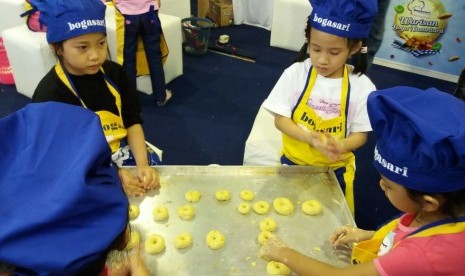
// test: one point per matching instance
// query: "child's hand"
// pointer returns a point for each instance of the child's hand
(328, 145)
(131, 184)
(346, 235)
(271, 249)
(148, 177)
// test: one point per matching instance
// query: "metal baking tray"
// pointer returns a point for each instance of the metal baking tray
(239, 256)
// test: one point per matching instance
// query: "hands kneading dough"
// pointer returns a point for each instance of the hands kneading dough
(160, 213)
(311, 207)
(268, 224)
(134, 211)
(276, 268)
(283, 206)
(215, 240)
(222, 195)
(243, 208)
(186, 212)
(193, 196)
(183, 240)
(261, 207)
(247, 195)
(154, 244)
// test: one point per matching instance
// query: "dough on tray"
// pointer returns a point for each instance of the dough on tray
(243, 208)
(154, 244)
(247, 195)
(283, 206)
(133, 211)
(134, 240)
(311, 207)
(222, 195)
(268, 224)
(277, 268)
(183, 240)
(261, 207)
(160, 213)
(215, 240)
(193, 196)
(186, 212)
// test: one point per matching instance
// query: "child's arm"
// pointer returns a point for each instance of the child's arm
(354, 141)
(274, 249)
(349, 234)
(146, 174)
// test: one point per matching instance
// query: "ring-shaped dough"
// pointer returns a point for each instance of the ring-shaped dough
(183, 240)
(276, 268)
(311, 207)
(261, 207)
(243, 208)
(247, 195)
(134, 211)
(186, 212)
(215, 240)
(134, 240)
(160, 213)
(268, 224)
(264, 236)
(193, 196)
(154, 244)
(222, 195)
(283, 206)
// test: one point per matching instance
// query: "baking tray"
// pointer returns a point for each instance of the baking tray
(239, 256)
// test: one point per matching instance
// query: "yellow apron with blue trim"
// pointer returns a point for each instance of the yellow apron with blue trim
(366, 251)
(142, 66)
(303, 154)
(112, 124)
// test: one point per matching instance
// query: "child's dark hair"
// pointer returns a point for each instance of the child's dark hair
(460, 89)
(359, 68)
(454, 202)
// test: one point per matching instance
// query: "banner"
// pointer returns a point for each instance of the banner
(425, 37)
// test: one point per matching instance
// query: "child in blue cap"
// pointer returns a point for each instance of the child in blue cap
(319, 103)
(83, 76)
(420, 155)
(62, 206)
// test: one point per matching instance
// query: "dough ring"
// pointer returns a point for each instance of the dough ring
(186, 212)
(160, 213)
(215, 240)
(183, 240)
(276, 268)
(134, 240)
(243, 208)
(283, 206)
(193, 196)
(154, 244)
(264, 236)
(261, 207)
(134, 211)
(268, 224)
(222, 195)
(311, 207)
(247, 195)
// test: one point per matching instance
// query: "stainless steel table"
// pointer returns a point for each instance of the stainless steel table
(239, 256)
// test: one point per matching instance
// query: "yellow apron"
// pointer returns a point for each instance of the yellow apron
(303, 154)
(112, 124)
(366, 251)
(142, 66)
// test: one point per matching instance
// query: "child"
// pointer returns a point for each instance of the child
(319, 103)
(420, 154)
(83, 76)
(141, 19)
(63, 209)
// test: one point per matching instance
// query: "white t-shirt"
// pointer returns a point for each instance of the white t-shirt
(325, 98)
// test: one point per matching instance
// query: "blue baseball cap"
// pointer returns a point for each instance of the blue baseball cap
(67, 19)
(420, 138)
(345, 18)
(62, 202)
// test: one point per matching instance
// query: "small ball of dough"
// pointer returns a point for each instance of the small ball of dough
(243, 208)
(283, 206)
(183, 240)
(186, 212)
(160, 213)
(311, 207)
(154, 244)
(193, 196)
(134, 211)
(276, 268)
(268, 224)
(264, 236)
(215, 240)
(261, 207)
(222, 195)
(134, 240)
(247, 195)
